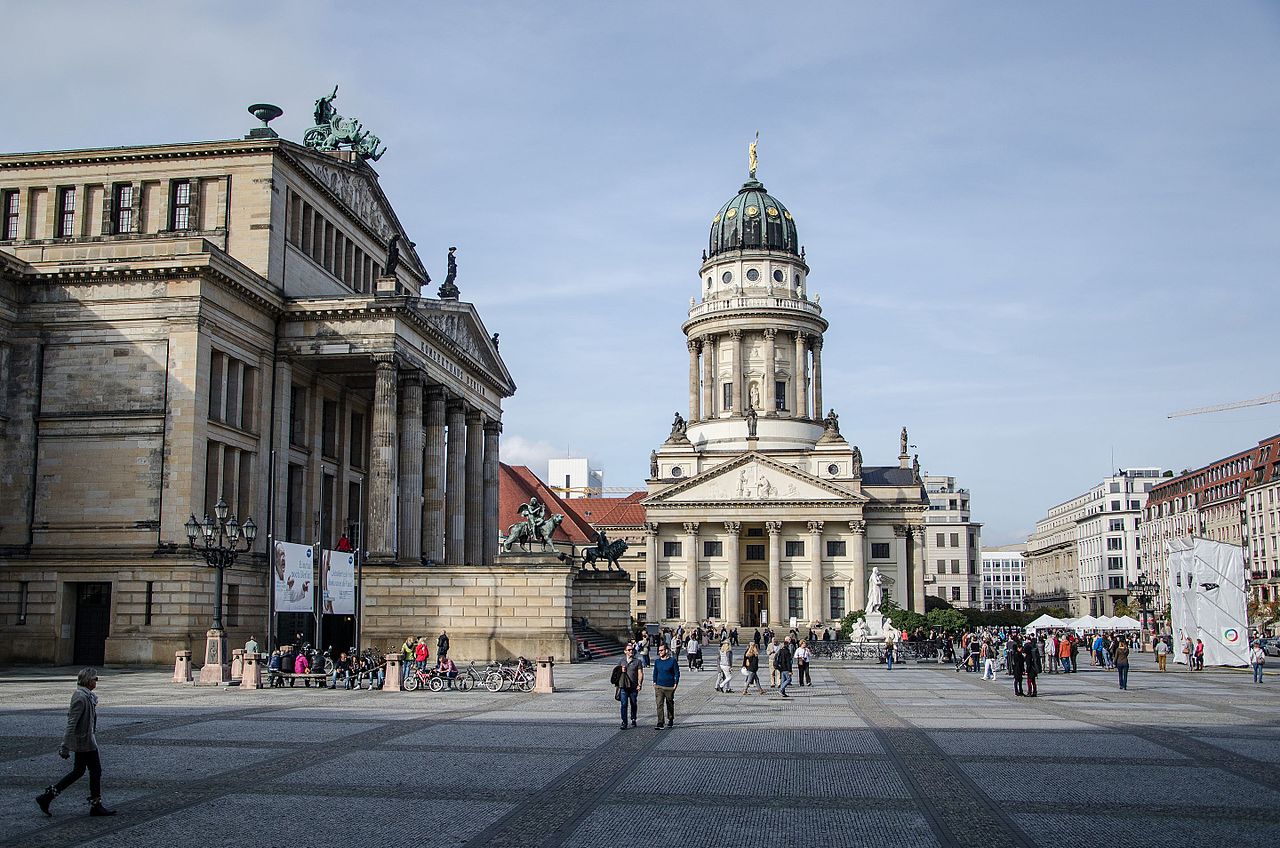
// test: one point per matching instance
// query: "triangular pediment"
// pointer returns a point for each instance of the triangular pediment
(461, 325)
(355, 187)
(754, 478)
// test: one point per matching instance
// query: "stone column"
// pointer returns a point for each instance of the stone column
(474, 487)
(733, 603)
(280, 422)
(814, 610)
(695, 410)
(708, 380)
(434, 477)
(410, 536)
(381, 537)
(801, 378)
(489, 546)
(455, 517)
(692, 604)
(902, 589)
(858, 597)
(738, 401)
(767, 398)
(916, 567)
(653, 596)
(774, 529)
(816, 344)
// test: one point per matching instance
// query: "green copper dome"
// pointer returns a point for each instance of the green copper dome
(753, 219)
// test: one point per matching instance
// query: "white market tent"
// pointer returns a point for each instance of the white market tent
(1126, 622)
(1106, 622)
(1084, 622)
(1048, 622)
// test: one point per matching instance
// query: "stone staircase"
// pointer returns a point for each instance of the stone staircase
(602, 647)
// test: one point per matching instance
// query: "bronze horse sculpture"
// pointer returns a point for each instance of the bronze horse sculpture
(524, 534)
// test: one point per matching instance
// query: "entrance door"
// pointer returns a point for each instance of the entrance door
(93, 623)
(756, 595)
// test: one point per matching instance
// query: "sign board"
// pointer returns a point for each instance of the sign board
(294, 572)
(337, 583)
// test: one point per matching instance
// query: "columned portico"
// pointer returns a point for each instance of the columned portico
(383, 463)
(774, 529)
(409, 535)
(455, 514)
(733, 577)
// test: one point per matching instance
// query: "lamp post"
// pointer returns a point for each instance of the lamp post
(1144, 591)
(218, 540)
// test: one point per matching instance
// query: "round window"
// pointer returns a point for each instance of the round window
(753, 275)
(833, 469)
(778, 276)
(727, 277)
(731, 213)
(677, 471)
(753, 211)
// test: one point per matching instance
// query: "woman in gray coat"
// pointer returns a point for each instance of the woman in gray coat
(80, 739)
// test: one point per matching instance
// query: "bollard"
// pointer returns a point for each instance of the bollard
(544, 681)
(251, 671)
(237, 663)
(393, 671)
(182, 667)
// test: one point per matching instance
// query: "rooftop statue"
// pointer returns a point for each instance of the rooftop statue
(332, 131)
(449, 289)
(857, 461)
(832, 421)
(752, 161)
(678, 426)
(393, 256)
(903, 440)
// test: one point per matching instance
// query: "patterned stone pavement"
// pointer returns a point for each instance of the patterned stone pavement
(920, 755)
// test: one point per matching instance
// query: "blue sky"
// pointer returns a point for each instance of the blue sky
(1036, 230)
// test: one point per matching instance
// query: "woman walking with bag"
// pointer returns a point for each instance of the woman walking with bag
(751, 663)
(80, 739)
(725, 683)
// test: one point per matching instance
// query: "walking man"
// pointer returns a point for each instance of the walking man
(782, 662)
(666, 677)
(1162, 654)
(80, 739)
(628, 676)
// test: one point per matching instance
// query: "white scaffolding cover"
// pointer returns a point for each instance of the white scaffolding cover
(1207, 599)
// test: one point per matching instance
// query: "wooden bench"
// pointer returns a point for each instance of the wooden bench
(321, 679)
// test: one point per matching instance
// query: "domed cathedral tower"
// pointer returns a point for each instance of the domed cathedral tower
(759, 510)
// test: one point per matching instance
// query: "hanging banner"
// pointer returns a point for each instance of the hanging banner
(1207, 599)
(294, 575)
(338, 582)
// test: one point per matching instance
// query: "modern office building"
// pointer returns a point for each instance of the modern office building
(1004, 578)
(952, 544)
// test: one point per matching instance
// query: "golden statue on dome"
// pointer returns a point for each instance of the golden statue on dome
(752, 161)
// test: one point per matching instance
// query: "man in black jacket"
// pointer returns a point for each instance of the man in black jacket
(782, 662)
(1017, 663)
(442, 646)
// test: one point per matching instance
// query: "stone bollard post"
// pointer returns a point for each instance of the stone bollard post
(182, 667)
(393, 673)
(237, 663)
(544, 682)
(251, 671)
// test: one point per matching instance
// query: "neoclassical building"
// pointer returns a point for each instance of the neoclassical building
(758, 508)
(245, 320)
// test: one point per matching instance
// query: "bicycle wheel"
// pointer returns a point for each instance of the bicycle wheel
(466, 683)
(493, 682)
(525, 684)
(436, 684)
(411, 683)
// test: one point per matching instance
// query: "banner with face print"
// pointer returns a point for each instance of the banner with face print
(338, 582)
(293, 569)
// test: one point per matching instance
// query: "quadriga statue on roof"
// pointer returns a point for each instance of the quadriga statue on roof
(332, 130)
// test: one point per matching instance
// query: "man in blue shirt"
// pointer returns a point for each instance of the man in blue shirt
(666, 677)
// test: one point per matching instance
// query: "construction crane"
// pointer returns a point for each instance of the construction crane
(1222, 407)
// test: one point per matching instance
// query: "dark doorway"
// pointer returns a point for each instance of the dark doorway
(339, 632)
(93, 623)
(756, 595)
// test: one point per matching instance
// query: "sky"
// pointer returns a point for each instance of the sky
(1036, 229)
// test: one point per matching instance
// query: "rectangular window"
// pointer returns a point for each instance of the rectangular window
(1116, 524)
(642, 582)
(671, 549)
(353, 513)
(146, 612)
(673, 602)
(835, 548)
(837, 602)
(356, 438)
(755, 553)
(795, 602)
(1115, 543)
(1115, 563)
(217, 379)
(955, 540)
(66, 213)
(122, 208)
(780, 394)
(955, 566)
(712, 549)
(22, 601)
(879, 550)
(973, 594)
(1134, 505)
(942, 540)
(755, 532)
(727, 396)
(180, 206)
(1115, 582)
(713, 602)
(971, 540)
(942, 566)
(295, 506)
(1115, 506)
(298, 416)
(795, 549)
(329, 428)
(955, 593)
(9, 229)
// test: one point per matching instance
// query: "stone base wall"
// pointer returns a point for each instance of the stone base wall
(519, 607)
(604, 599)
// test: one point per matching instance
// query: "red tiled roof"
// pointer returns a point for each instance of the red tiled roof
(610, 512)
(517, 484)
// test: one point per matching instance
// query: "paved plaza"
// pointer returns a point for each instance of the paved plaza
(920, 755)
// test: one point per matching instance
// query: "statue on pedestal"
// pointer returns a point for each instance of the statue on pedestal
(752, 420)
(875, 590)
(449, 289)
(678, 426)
(903, 440)
(857, 461)
(393, 256)
(653, 465)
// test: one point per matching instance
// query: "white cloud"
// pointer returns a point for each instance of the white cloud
(517, 450)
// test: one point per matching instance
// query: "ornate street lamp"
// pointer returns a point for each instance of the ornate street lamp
(1144, 592)
(219, 541)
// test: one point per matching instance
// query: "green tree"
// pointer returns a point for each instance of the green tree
(949, 619)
